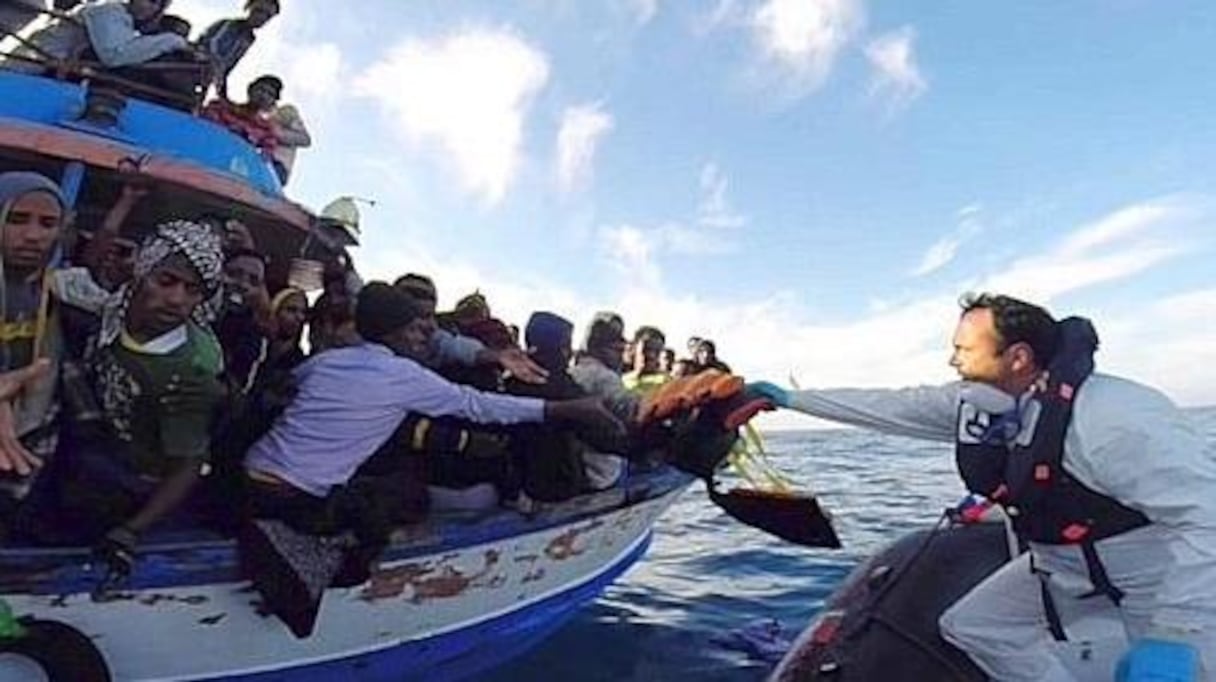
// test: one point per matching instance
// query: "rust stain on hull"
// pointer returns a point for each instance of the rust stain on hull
(430, 582)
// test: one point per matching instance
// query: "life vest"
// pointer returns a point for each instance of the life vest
(1015, 458)
(1026, 476)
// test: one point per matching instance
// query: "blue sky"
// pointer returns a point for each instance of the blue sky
(811, 182)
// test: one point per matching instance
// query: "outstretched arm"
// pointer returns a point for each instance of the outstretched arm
(926, 412)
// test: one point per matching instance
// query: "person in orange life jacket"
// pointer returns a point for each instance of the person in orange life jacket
(1103, 477)
(448, 348)
(328, 431)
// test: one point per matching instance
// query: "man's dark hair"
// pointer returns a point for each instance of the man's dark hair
(273, 81)
(382, 309)
(416, 286)
(647, 332)
(1017, 321)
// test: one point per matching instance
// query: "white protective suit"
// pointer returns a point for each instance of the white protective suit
(1126, 441)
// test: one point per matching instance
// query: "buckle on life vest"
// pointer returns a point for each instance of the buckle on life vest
(1042, 473)
(1075, 532)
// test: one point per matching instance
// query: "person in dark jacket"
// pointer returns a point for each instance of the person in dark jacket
(548, 457)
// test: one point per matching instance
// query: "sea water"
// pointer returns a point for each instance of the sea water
(706, 577)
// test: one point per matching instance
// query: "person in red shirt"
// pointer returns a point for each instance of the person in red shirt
(251, 119)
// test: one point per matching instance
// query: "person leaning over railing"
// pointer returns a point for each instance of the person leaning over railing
(109, 28)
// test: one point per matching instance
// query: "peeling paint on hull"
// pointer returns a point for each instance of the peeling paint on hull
(425, 609)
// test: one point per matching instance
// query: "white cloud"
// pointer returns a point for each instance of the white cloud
(631, 251)
(804, 37)
(1127, 242)
(943, 251)
(581, 129)
(897, 78)
(715, 210)
(469, 93)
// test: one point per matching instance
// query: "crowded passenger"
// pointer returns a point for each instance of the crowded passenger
(246, 322)
(32, 211)
(706, 357)
(250, 119)
(290, 136)
(154, 371)
(226, 41)
(598, 372)
(552, 461)
(301, 471)
(447, 348)
(108, 30)
(647, 373)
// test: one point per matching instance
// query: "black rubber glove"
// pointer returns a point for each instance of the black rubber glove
(117, 551)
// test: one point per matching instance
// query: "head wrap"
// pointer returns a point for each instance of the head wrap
(200, 246)
(546, 332)
(17, 184)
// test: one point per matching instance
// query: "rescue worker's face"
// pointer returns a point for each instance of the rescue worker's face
(31, 229)
(165, 298)
(981, 355)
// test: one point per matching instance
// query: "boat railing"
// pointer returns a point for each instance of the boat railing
(78, 70)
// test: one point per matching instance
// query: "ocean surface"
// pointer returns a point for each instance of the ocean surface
(705, 577)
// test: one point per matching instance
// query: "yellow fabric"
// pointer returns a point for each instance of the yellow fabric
(644, 384)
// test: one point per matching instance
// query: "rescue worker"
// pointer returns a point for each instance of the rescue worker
(1103, 477)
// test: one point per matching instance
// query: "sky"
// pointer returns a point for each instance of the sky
(811, 183)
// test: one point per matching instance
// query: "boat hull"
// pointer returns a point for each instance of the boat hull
(444, 613)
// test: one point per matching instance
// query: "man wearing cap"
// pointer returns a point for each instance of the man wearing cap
(299, 468)
(446, 348)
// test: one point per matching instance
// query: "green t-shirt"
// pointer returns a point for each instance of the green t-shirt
(174, 396)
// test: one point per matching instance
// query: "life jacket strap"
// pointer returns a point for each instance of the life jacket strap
(1098, 577)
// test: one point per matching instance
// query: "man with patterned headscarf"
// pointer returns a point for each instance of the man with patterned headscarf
(154, 369)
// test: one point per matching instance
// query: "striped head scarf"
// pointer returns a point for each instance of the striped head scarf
(198, 245)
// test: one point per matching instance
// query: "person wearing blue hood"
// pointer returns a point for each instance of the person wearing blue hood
(550, 458)
(32, 211)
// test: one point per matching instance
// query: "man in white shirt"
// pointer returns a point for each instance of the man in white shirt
(1113, 489)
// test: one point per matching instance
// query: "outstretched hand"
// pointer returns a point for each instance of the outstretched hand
(766, 389)
(13, 455)
(521, 366)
